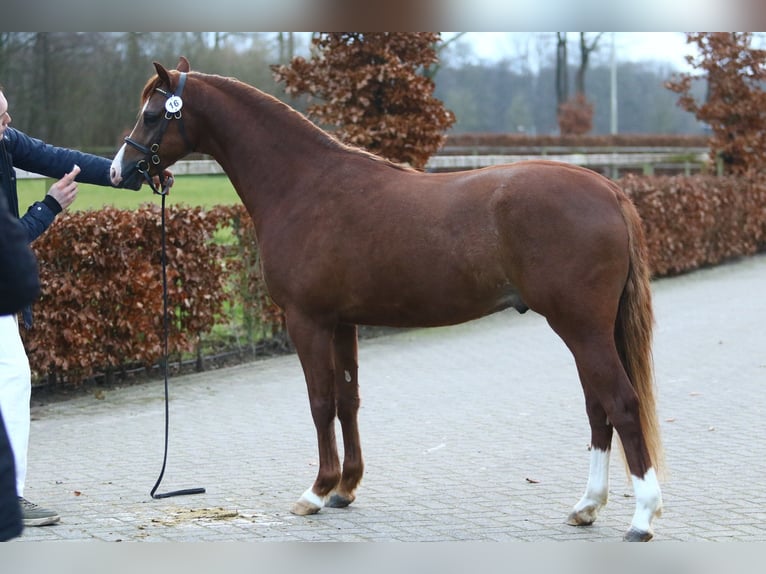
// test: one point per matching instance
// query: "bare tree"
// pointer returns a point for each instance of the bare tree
(286, 41)
(562, 69)
(575, 115)
(586, 48)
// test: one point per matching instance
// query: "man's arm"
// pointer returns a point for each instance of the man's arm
(32, 154)
(41, 214)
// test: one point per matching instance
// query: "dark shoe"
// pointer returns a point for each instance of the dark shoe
(34, 515)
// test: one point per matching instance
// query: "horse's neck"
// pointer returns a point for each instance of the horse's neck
(260, 144)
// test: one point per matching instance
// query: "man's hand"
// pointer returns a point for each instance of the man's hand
(169, 180)
(65, 190)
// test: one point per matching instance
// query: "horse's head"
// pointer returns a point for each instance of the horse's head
(159, 137)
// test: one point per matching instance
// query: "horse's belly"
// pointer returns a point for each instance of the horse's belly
(436, 308)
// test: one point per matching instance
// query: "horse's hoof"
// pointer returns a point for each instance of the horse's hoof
(340, 501)
(584, 517)
(635, 535)
(304, 508)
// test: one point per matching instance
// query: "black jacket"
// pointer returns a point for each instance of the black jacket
(19, 282)
(18, 150)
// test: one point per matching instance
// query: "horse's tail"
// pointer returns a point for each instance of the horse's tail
(633, 333)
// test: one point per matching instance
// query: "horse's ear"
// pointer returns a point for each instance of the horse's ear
(183, 64)
(162, 73)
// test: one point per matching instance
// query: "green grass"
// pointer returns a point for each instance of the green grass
(193, 190)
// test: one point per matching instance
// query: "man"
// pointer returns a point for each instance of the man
(19, 286)
(18, 150)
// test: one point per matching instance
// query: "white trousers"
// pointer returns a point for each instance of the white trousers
(15, 394)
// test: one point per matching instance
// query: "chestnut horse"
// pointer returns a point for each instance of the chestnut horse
(348, 238)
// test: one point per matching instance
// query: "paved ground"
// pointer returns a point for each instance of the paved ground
(470, 433)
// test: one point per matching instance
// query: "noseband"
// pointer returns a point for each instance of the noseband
(151, 154)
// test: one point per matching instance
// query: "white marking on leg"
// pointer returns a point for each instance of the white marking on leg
(648, 500)
(597, 489)
(312, 498)
(348, 376)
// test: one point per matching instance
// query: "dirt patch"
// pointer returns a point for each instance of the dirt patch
(196, 515)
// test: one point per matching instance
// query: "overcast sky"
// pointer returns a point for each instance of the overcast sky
(668, 47)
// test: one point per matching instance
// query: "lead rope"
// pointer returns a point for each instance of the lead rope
(165, 322)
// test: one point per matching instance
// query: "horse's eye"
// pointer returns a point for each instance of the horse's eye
(151, 118)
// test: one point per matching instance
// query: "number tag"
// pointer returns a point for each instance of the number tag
(174, 104)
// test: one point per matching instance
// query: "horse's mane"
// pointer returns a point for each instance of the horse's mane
(277, 107)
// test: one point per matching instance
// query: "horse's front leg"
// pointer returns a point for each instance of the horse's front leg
(347, 403)
(314, 344)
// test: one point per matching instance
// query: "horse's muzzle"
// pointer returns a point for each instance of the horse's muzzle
(133, 179)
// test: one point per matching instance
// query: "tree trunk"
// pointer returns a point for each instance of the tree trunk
(562, 71)
(585, 51)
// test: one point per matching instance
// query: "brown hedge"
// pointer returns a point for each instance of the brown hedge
(101, 302)
(698, 221)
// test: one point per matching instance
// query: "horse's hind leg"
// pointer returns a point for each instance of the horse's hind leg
(605, 380)
(596, 493)
(347, 404)
(313, 343)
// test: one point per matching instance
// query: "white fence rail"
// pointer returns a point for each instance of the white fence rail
(646, 162)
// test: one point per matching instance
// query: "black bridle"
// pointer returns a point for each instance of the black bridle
(151, 153)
